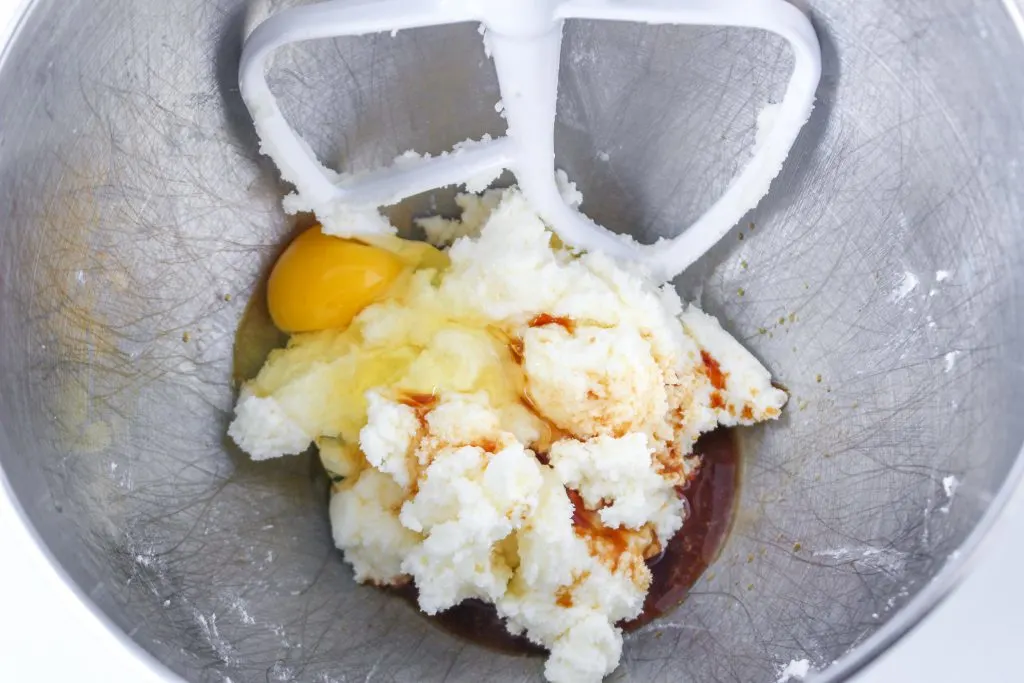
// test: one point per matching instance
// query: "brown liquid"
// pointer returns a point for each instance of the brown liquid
(568, 324)
(712, 499)
(477, 622)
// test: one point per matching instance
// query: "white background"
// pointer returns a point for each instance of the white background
(54, 637)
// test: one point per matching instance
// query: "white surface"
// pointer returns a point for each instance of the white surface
(56, 638)
(975, 634)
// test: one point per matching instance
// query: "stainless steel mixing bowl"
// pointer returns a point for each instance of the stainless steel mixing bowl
(882, 281)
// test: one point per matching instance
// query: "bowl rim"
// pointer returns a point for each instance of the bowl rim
(924, 602)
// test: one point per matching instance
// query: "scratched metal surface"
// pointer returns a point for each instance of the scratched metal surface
(139, 217)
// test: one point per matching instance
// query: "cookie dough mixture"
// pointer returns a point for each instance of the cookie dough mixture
(513, 425)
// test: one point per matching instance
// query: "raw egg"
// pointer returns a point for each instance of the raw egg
(415, 254)
(322, 282)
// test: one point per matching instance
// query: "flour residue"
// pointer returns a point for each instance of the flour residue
(907, 284)
(766, 120)
(867, 557)
(796, 670)
(949, 486)
(241, 608)
(280, 672)
(219, 644)
(949, 361)
(567, 188)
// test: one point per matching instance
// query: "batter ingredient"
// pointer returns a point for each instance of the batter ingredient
(513, 427)
(321, 282)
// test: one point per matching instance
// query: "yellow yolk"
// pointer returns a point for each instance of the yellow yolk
(322, 282)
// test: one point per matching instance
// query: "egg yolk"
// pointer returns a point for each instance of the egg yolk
(322, 282)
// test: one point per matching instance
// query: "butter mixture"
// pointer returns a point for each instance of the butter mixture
(508, 421)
